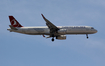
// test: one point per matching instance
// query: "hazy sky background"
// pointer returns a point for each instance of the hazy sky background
(32, 50)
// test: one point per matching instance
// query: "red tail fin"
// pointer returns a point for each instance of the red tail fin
(14, 22)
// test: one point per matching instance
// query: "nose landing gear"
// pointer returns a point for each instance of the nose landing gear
(87, 36)
(52, 37)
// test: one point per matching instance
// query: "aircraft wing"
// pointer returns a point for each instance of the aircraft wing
(51, 26)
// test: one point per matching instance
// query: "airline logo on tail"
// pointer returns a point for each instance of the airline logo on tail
(14, 22)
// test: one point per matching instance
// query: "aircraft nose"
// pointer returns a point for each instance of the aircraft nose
(95, 31)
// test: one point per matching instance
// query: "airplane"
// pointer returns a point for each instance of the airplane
(59, 32)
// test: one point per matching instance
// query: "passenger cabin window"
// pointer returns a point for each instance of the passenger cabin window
(92, 28)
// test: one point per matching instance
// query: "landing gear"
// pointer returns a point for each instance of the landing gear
(53, 39)
(87, 36)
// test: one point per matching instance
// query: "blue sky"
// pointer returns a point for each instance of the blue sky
(32, 50)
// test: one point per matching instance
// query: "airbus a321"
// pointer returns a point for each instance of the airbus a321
(59, 32)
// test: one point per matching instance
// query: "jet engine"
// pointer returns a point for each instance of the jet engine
(62, 31)
(61, 37)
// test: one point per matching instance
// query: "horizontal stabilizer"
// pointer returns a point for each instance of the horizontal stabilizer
(12, 27)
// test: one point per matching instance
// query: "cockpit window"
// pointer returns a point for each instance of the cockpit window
(92, 28)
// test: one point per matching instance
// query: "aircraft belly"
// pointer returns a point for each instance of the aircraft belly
(36, 31)
(79, 32)
(18, 31)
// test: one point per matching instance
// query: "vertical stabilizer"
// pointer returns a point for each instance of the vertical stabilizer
(14, 22)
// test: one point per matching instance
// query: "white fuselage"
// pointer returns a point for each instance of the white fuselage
(63, 30)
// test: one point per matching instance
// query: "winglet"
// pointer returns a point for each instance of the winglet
(43, 17)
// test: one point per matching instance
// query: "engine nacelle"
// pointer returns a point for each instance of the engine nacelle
(61, 37)
(62, 31)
